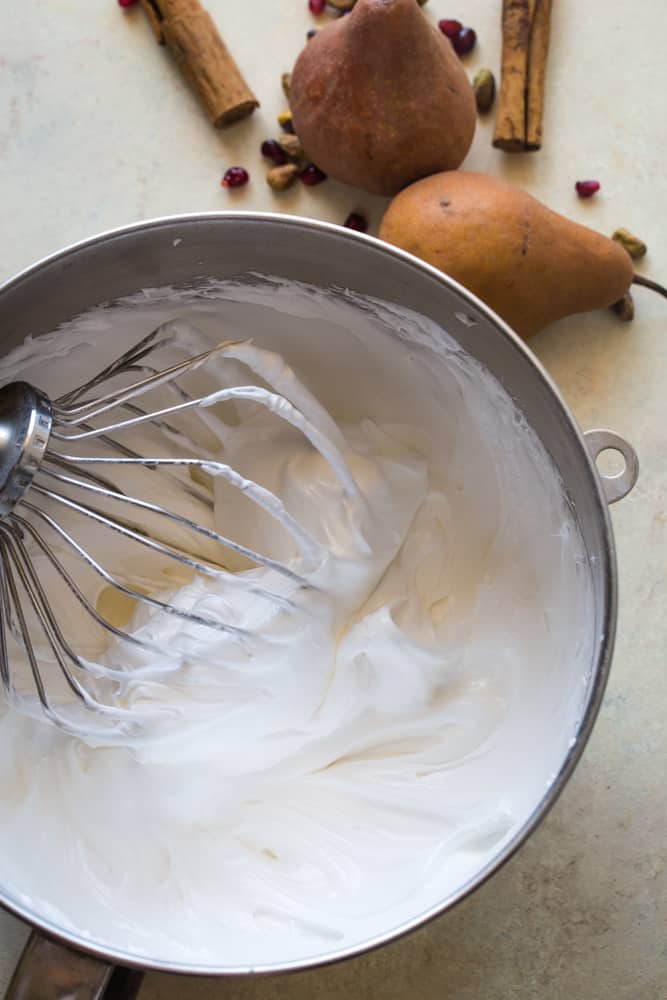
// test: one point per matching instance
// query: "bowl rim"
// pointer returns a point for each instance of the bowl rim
(601, 666)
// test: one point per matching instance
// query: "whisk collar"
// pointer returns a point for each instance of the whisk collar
(25, 427)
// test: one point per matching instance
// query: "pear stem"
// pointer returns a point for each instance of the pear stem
(639, 279)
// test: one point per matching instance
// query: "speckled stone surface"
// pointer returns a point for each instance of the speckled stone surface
(97, 129)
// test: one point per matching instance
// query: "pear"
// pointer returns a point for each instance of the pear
(531, 265)
(379, 98)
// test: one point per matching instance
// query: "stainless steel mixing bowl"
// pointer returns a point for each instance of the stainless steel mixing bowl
(184, 250)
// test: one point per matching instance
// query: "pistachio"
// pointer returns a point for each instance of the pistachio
(280, 178)
(625, 308)
(635, 247)
(285, 121)
(484, 86)
(285, 83)
(291, 145)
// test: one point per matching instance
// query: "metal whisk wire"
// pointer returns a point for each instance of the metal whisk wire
(43, 474)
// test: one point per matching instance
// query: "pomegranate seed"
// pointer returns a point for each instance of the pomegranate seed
(312, 175)
(464, 42)
(126, 3)
(235, 177)
(316, 7)
(357, 222)
(586, 189)
(272, 150)
(449, 27)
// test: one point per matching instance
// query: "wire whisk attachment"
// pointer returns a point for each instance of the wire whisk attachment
(118, 475)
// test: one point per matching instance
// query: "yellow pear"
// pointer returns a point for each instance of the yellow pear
(529, 264)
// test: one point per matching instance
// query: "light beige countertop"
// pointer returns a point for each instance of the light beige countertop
(97, 129)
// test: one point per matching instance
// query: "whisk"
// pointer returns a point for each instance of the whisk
(46, 472)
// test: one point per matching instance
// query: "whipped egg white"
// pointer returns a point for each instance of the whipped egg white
(385, 730)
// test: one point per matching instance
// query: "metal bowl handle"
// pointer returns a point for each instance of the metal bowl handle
(618, 486)
(48, 970)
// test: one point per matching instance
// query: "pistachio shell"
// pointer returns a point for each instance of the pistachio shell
(625, 308)
(484, 86)
(635, 247)
(280, 178)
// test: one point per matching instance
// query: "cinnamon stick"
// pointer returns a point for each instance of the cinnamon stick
(517, 20)
(526, 32)
(193, 39)
(537, 68)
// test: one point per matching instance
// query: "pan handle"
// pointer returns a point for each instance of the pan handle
(618, 486)
(51, 971)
